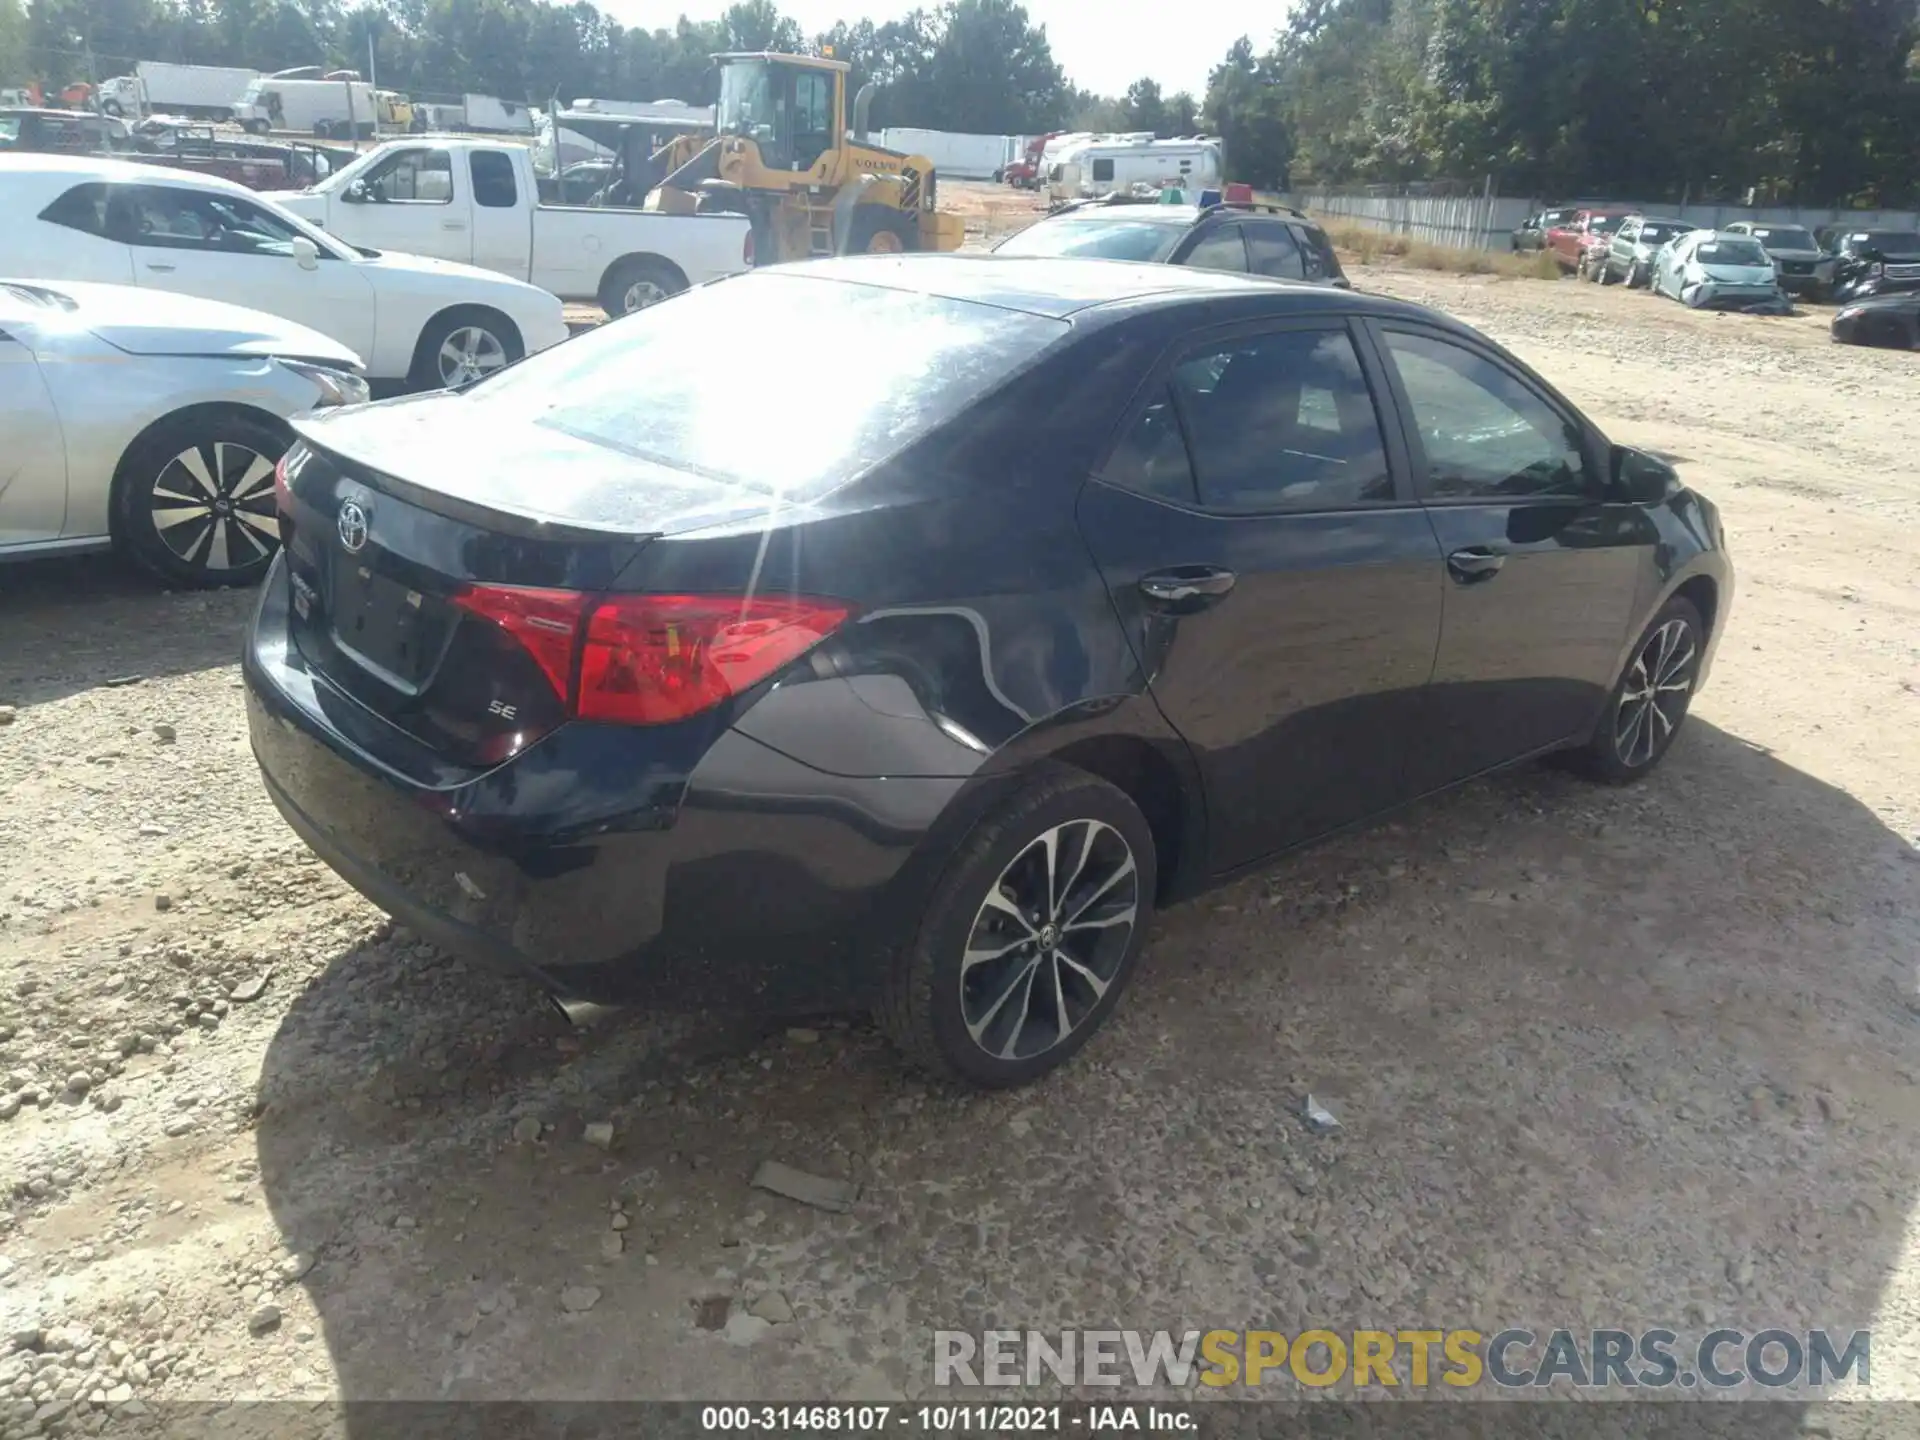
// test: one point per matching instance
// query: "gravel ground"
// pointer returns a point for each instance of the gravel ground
(1600, 1057)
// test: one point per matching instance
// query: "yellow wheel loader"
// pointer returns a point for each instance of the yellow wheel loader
(782, 154)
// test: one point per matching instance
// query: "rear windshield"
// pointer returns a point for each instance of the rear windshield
(790, 384)
(1096, 239)
(1901, 241)
(1784, 237)
(1731, 251)
(1604, 224)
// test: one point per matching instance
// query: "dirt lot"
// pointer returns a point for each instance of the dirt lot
(1601, 1057)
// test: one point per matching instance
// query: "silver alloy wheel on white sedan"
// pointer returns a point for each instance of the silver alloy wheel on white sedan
(213, 506)
(1049, 939)
(1654, 699)
(468, 354)
(642, 293)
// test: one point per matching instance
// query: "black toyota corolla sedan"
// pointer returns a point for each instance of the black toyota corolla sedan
(898, 632)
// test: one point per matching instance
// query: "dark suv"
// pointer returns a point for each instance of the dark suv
(1245, 238)
(1872, 262)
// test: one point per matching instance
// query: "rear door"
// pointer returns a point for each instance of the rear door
(502, 235)
(33, 456)
(1281, 587)
(1541, 562)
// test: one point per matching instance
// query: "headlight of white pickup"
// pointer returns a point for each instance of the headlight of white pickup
(336, 387)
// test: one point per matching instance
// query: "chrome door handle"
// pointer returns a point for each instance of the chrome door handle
(161, 269)
(1475, 564)
(453, 224)
(1191, 585)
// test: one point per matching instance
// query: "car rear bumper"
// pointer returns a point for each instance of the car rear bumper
(592, 863)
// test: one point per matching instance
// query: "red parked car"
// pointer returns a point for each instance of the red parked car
(1567, 242)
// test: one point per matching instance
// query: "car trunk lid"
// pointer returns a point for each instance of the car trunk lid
(397, 604)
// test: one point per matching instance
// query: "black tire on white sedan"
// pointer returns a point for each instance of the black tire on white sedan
(1031, 936)
(1650, 702)
(193, 499)
(462, 346)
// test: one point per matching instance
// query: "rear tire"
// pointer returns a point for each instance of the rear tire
(461, 346)
(1650, 701)
(193, 500)
(323, 129)
(1065, 868)
(636, 283)
(878, 230)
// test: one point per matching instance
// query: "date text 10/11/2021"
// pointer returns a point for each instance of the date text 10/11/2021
(947, 1419)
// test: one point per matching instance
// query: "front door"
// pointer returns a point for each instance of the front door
(406, 203)
(1278, 581)
(33, 454)
(1541, 563)
(223, 247)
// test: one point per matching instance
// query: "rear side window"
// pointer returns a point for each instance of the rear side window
(1283, 421)
(1223, 249)
(666, 383)
(1317, 259)
(82, 208)
(1153, 458)
(1271, 251)
(493, 184)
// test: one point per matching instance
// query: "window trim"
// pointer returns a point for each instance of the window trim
(1592, 443)
(473, 178)
(1158, 379)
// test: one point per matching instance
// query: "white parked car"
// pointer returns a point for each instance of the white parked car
(428, 323)
(152, 422)
(1718, 270)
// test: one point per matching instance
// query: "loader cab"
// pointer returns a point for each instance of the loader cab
(793, 108)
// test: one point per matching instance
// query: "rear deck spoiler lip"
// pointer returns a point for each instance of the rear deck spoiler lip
(526, 524)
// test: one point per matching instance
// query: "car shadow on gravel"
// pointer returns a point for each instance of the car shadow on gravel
(1601, 1057)
(69, 625)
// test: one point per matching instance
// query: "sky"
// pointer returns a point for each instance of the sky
(1100, 50)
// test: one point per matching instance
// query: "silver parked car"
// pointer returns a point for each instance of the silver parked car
(1714, 270)
(1805, 268)
(152, 422)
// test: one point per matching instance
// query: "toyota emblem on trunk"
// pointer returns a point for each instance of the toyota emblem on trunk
(353, 527)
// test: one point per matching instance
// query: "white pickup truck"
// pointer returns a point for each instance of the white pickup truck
(477, 202)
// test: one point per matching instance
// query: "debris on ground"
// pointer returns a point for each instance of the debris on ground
(815, 1190)
(1318, 1116)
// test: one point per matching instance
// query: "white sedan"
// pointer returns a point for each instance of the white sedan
(427, 323)
(152, 423)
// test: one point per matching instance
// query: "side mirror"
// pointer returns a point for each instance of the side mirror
(306, 254)
(1640, 478)
(356, 193)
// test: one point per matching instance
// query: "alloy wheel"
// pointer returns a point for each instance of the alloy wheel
(640, 294)
(1048, 941)
(1653, 698)
(469, 353)
(213, 506)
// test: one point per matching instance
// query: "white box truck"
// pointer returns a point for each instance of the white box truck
(322, 107)
(205, 92)
(954, 153)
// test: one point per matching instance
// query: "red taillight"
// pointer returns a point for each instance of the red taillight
(545, 623)
(746, 247)
(650, 659)
(653, 659)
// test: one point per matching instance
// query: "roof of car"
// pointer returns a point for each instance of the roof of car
(1060, 287)
(79, 169)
